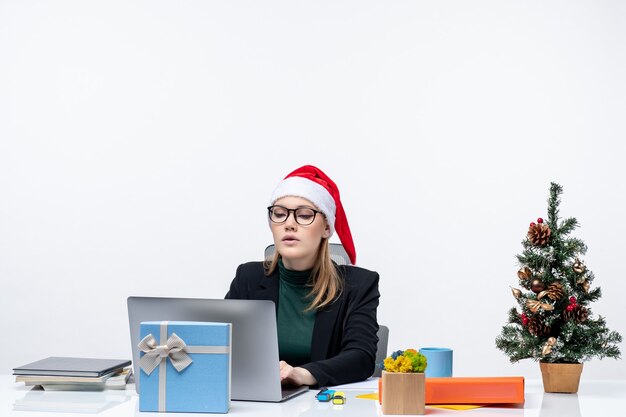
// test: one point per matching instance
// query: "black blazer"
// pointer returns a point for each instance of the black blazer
(343, 347)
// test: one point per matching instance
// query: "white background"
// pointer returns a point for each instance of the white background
(140, 141)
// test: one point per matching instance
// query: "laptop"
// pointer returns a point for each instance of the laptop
(255, 374)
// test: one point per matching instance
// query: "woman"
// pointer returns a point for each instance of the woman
(326, 313)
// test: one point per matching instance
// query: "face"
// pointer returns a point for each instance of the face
(298, 244)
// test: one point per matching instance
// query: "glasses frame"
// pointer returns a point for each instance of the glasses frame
(295, 217)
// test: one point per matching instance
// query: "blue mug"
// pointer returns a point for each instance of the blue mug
(438, 362)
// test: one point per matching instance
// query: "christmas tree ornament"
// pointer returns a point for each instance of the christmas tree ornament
(572, 304)
(537, 286)
(539, 220)
(524, 274)
(578, 267)
(539, 234)
(537, 326)
(577, 313)
(581, 314)
(534, 306)
(547, 348)
(516, 293)
(524, 318)
(555, 291)
(586, 286)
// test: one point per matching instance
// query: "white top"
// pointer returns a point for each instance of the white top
(595, 398)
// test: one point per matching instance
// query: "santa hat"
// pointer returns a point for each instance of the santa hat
(311, 183)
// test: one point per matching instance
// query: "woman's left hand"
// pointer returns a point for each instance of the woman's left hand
(295, 375)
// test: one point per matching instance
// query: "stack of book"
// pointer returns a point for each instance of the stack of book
(75, 374)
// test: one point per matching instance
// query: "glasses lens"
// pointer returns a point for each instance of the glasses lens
(278, 214)
(305, 216)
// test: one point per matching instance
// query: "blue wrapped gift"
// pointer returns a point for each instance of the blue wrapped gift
(185, 366)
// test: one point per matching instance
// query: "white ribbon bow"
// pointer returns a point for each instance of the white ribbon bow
(175, 348)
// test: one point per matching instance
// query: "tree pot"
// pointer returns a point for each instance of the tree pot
(561, 377)
(403, 393)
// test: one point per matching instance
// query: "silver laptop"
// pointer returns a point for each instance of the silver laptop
(255, 374)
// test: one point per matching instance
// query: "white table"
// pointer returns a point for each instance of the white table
(594, 399)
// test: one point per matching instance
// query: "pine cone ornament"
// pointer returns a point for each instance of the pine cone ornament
(539, 234)
(555, 291)
(578, 314)
(537, 327)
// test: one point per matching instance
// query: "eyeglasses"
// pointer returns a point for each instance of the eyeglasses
(304, 216)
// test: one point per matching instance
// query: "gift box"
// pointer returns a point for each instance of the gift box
(185, 367)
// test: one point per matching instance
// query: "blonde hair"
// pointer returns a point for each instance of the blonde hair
(326, 283)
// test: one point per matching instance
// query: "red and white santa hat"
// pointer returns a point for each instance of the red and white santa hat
(311, 183)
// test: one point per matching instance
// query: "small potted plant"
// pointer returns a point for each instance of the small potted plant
(403, 385)
(553, 322)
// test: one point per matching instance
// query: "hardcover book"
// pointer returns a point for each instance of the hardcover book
(116, 380)
(64, 366)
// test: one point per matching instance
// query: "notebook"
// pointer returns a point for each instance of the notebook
(64, 366)
(255, 374)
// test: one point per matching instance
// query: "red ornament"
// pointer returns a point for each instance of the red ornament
(532, 224)
(539, 220)
(524, 319)
(570, 307)
(572, 300)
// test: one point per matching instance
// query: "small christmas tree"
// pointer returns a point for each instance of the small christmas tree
(555, 323)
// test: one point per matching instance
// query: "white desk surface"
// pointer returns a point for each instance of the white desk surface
(594, 399)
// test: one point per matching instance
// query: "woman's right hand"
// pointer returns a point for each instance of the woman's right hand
(290, 375)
